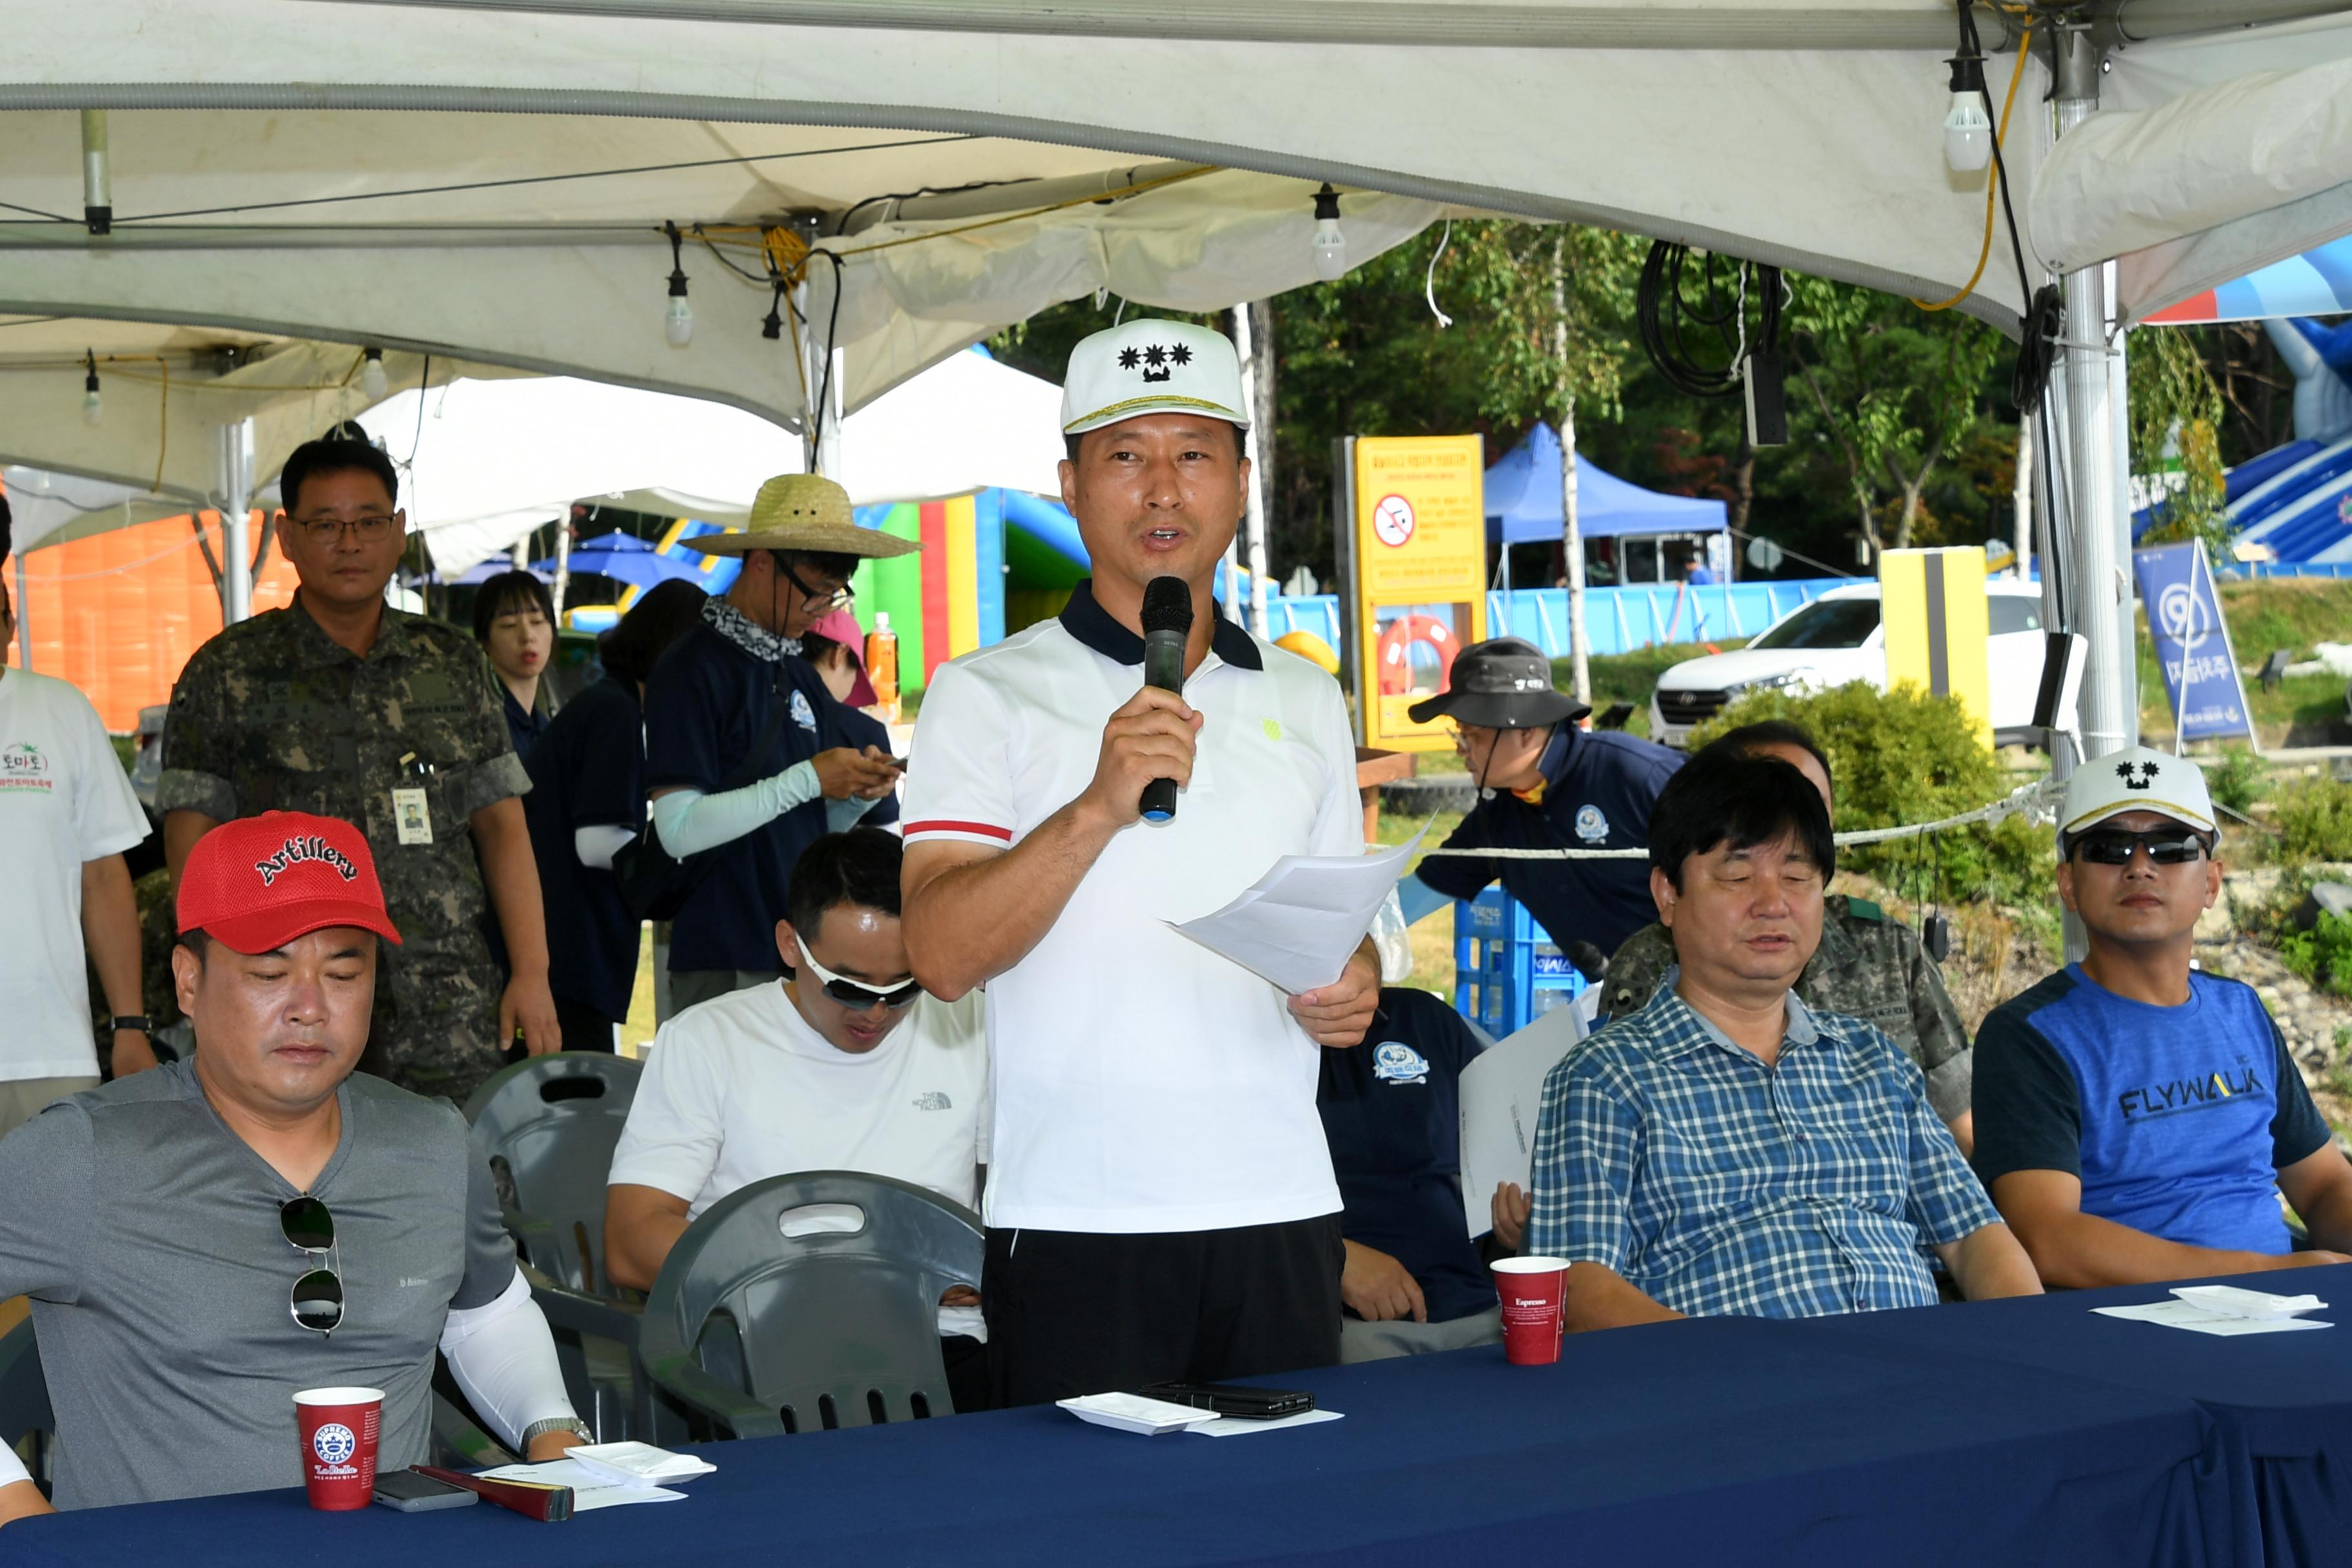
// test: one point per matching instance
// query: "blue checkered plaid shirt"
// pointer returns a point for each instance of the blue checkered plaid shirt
(1719, 1186)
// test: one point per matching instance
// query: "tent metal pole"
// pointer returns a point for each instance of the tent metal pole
(237, 507)
(1253, 449)
(2092, 460)
(2021, 499)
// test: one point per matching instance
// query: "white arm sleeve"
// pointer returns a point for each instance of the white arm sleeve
(12, 1468)
(841, 815)
(596, 847)
(504, 1358)
(690, 821)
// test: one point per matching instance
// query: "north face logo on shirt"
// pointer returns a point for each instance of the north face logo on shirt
(933, 1100)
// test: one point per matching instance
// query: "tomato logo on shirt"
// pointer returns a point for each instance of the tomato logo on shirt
(23, 766)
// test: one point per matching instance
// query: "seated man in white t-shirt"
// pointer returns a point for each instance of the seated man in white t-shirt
(849, 1066)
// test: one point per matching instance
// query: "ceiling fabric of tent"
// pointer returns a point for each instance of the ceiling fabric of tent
(164, 391)
(489, 462)
(1801, 135)
(2243, 166)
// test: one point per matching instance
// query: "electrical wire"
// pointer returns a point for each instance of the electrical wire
(1664, 312)
(1992, 186)
(519, 180)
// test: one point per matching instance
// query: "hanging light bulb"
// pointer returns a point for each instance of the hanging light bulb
(1967, 129)
(94, 408)
(371, 381)
(678, 322)
(1330, 244)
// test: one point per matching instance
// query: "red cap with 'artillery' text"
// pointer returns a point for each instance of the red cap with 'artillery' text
(258, 882)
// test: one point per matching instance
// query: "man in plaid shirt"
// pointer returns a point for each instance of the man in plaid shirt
(1727, 1151)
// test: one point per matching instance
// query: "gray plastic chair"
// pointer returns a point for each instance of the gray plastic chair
(552, 1122)
(761, 1333)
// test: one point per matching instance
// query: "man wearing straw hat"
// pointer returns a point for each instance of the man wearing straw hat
(1161, 1201)
(744, 741)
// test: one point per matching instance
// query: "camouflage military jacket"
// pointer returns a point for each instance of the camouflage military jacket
(274, 715)
(1868, 967)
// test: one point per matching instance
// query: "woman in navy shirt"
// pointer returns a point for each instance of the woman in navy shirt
(514, 620)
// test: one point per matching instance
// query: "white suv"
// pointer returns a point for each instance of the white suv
(1837, 638)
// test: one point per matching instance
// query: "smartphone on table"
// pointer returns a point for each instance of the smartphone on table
(1233, 1399)
(411, 1494)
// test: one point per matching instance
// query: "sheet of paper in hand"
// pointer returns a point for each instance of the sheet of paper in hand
(1298, 924)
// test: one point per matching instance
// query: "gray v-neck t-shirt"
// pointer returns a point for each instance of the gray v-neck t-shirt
(147, 1235)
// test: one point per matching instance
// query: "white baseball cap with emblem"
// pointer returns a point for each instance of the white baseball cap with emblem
(1152, 367)
(2135, 779)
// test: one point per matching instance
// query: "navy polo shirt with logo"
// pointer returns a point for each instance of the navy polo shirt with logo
(1598, 789)
(2176, 1118)
(706, 702)
(1391, 1113)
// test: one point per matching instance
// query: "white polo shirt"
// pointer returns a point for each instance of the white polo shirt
(1143, 1083)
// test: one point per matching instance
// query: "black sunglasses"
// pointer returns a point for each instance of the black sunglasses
(318, 1300)
(2165, 846)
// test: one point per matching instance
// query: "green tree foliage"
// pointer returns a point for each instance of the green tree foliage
(1900, 390)
(2176, 423)
(1901, 757)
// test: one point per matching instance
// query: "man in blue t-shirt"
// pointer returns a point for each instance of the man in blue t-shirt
(1543, 784)
(2137, 1119)
(1413, 1280)
(737, 683)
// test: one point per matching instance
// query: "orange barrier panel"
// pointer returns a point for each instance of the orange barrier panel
(120, 613)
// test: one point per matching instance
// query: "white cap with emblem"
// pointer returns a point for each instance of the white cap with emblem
(2135, 779)
(1152, 367)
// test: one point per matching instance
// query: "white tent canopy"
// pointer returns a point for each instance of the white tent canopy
(486, 462)
(363, 137)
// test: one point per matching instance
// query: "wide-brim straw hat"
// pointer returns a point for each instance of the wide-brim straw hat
(804, 511)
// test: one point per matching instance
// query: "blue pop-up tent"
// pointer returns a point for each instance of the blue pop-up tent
(1523, 499)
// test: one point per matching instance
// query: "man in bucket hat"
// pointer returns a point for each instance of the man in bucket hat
(192, 1237)
(2137, 1119)
(1161, 1200)
(1544, 784)
(736, 685)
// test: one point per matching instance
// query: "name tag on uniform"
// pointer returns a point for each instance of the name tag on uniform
(412, 816)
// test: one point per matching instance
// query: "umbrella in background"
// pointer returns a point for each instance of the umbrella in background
(624, 558)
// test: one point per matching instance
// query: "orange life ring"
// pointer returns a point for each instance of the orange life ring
(1396, 658)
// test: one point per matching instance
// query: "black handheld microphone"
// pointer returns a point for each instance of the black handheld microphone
(1167, 627)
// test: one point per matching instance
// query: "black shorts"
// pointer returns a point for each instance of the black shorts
(1074, 1313)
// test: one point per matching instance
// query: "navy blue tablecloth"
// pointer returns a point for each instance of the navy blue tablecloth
(1728, 1441)
(2281, 1404)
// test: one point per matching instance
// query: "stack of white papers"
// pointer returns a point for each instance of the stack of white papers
(2225, 1310)
(1299, 925)
(1152, 1417)
(610, 1475)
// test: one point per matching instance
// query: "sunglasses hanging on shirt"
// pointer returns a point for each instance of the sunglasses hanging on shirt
(317, 1298)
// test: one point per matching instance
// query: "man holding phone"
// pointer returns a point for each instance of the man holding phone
(1161, 1200)
(191, 1237)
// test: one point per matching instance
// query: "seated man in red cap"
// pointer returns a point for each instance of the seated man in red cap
(181, 1232)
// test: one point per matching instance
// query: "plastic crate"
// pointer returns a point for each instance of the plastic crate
(1506, 970)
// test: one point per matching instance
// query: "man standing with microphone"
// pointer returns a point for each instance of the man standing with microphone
(1160, 1204)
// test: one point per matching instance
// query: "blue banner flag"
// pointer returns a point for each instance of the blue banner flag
(2192, 642)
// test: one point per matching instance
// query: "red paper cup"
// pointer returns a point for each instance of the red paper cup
(340, 1427)
(1531, 1289)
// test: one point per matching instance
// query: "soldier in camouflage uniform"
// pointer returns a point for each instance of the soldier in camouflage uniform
(1869, 966)
(404, 736)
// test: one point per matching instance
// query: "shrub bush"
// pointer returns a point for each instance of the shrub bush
(1906, 757)
(2314, 818)
(2322, 956)
(2237, 780)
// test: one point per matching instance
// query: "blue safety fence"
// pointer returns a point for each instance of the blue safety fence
(2239, 570)
(1616, 620)
(1506, 971)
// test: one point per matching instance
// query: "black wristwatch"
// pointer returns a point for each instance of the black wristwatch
(138, 1021)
